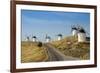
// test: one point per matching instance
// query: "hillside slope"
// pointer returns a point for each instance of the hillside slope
(70, 47)
(32, 52)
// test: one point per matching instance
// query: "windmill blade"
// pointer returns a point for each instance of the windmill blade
(46, 36)
(72, 26)
(78, 26)
(87, 32)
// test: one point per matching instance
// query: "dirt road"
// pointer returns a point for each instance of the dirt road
(56, 55)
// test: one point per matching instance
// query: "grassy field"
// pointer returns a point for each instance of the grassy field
(32, 52)
(70, 47)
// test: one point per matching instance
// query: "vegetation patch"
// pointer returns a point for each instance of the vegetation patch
(33, 52)
(70, 47)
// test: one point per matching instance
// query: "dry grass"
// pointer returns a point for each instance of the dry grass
(30, 52)
(70, 47)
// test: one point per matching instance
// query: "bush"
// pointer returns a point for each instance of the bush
(40, 44)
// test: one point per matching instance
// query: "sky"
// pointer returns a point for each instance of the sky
(39, 23)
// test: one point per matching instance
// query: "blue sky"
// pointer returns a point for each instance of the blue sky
(40, 23)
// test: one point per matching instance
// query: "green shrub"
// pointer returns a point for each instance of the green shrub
(39, 44)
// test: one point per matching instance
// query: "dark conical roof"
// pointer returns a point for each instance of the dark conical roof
(59, 35)
(27, 37)
(82, 30)
(48, 37)
(74, 28)
(34, 37)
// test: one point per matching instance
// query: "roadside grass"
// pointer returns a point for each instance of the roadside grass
(70, 47)
(31, 52)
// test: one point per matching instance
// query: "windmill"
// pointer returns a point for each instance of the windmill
(27, 38)
(74, 30)
(47, 38)
(34, 38)
(59, 36)
(80, 32)
(81, 35)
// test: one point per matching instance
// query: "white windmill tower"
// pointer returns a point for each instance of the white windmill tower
(81, 35)
(34, 38)
(74, 31)
(27, 38)
(48, 39)
(59, 37)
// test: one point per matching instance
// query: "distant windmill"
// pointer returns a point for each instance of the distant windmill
(48, 39)
(59, 36)
(27, 38)
(34, 38)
